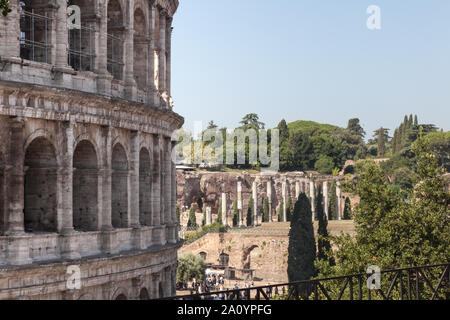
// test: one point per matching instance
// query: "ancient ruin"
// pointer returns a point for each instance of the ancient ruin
(86, 177)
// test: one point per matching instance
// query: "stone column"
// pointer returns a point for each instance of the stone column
(174, 191)
(255, 204)
(134, 179)
(326, 200)
(65, 208)
(107, 180)
(168, 183)
(152, 55)
(156, 183)
(208, 216)
(130, 83)
(283, 195)
(162, 50)
(9, 32)
(269, 198)
(224, 209)
(103, 77)
(312, 195)
(297, 190)
(239, 203)
(168, 54)
(14, 176)
(62, 35)
(339, 201)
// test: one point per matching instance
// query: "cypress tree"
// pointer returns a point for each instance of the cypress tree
(280, 212)
(323, 243)
(381, 143)
(204, 217)
(410, 121)
(332, 206)
(250, 212)
(178, 213)
(265, 210)
(235, 214)
(219, 213)
(416, 121)
(302, 246)
(289, 210)
(347, 209)
(192, 221)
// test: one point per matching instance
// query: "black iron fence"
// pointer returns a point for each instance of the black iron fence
(415, 283)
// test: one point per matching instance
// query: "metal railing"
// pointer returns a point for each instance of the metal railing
(415, 283)
(115, 57)
(35, 36)
(81, 49)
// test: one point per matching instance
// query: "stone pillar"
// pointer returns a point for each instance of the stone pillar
(107, 180)
(255, 204)
(156, 183)
(14, 224)
(224, 209)
(62, 35)
(208, 216)
(168, 54)
(326, 200)
(134, 179)
(65, 207)
(168, 182)
(312, 195)
(339, 201)
(130, 83)
(283, 195)
(9, 32)
(152, 56)
(103, 77)
(297, 190)
(239, 203)
(162, 50)
(269, 198)
(174, 191)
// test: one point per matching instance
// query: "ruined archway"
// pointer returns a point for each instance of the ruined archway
(119, 188)
(40, 198)
(140, 49)
(115, 39)
(145, 210)
(121, 297)
(85, 187)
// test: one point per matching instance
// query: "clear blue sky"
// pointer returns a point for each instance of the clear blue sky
(311, 60)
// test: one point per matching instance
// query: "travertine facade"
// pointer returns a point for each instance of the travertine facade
(86, 176)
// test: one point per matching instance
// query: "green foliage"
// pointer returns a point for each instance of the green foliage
(178, 213)
(302, 246)
(235, 214)
(392, 232)
(289, 210)
(192, 221)
(440, 145)
(347, 209)
(4, 7)
(323, 241)
(332, 205)
(265, 210)
(280, 211)
(324, 165)
(216, 227)
(250, 212)
(190, 267)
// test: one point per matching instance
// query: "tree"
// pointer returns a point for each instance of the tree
(381, 143)
(325, 165)
(347, 209)
(212, 125)
(439, 143)
(219, 213)
(355, 128)
(251, 121)
(250, 212)
(302, 246)
(280, 212)
(204, 218)
(289, 210)
(235, 214)
(332, 206)
(323, 242)
(4, 6)
(283, 130)
(265, 210)
(178, 213)
(192, 220)
(190, 267)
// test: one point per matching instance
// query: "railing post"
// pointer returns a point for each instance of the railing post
(351, 288)
(417, 284)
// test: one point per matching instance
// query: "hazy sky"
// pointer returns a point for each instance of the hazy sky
(312, 60)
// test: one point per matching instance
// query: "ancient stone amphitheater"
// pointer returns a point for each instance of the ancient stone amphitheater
(86, 177)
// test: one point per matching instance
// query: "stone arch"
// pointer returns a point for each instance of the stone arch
(115, 30)
(143, 294)
(203, 255)
(120, 294)
(40, 194)
(41, 133)
(86, 297)
(160, 290)
(145, 188)
(85, 187)
(119, 189)
(140, 62)
(224, 259)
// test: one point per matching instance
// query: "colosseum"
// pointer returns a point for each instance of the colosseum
(86, 177)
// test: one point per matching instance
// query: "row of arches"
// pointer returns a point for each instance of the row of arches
(41, 183)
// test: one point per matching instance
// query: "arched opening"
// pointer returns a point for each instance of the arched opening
(119, 189)
(115, 39)
(85, 187)
(40, 212)
(143, 295)
(145, 211)
(121, 297)
(140, 49)
(161, 290)
(2, 195)
(203, 255)
(35, 30)
(82, 39)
